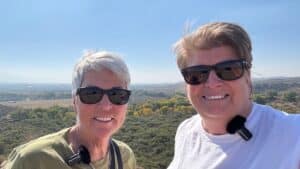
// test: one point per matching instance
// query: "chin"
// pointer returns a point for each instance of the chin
(103, 132)
(216, 113)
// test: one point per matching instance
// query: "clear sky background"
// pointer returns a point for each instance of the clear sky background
(40, 41)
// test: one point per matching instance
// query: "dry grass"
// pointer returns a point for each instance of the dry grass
(39, 103)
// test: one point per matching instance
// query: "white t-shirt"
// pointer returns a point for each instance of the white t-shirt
(275, 143)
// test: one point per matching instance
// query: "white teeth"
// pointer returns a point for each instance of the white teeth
(104, 119)
(214, 97)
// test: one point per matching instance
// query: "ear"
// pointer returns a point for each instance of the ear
(73, 100)
(74, 103)
(187, 92)
(249, 81)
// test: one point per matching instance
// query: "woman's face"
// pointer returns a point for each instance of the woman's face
(218, 99)
(103, 118)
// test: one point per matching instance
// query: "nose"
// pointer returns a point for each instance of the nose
(105, 103)
(213, 80)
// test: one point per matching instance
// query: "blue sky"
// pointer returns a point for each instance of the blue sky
(40, 41)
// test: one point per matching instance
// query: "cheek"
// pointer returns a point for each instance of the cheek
(121, 111)
(83, 112)
(192, 92)
(244, 90)
(78, 106)
(120, 115)
(82, 108)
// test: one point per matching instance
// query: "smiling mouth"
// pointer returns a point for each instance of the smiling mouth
(103, 119)
(216, 97)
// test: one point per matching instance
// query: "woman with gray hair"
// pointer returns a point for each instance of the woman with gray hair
(100, 95)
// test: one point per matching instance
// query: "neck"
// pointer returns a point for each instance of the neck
(218, 126)
(213, 126)
(97, 147)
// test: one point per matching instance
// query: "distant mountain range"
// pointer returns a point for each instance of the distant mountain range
(33, 87)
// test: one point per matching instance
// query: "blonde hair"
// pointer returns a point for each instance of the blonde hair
(214, 35)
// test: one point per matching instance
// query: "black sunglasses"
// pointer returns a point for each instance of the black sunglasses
(93, 95)
(227, 70)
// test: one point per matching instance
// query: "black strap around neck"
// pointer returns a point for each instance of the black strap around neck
(119, 157)
(114, 149)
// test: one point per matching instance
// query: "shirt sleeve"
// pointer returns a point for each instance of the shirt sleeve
(177, 147)
(131, 162)
(34, 160)
(128, 157)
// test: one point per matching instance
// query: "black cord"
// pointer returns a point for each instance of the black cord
(119, 157)
(112, 155)
(83, 156)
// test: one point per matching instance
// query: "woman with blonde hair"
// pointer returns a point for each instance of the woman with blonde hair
(229, 131)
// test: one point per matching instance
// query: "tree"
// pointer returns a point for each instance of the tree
(271, 95)
(258, 98)
(290, 96)
(2, 148)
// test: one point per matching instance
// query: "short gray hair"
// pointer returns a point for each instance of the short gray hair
(97, 61)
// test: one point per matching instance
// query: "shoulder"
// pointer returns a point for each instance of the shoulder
(190, 123)
(127, 154)
(40, 150)
(283, 127)
(280, 117)
(40, 144)
(280, 120)
(188, 127)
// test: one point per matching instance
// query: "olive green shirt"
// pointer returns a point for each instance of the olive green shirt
(51, 152)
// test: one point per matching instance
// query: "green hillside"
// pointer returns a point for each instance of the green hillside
(150, 126)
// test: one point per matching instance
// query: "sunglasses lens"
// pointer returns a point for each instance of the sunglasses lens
(195, 75)
(90, 95)
(119, 96)
(93, 95)
(230, 70)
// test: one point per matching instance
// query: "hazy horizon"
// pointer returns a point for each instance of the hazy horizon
(42, 40)
(137, 84)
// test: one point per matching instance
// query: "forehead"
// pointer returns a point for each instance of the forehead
(103, 78)
(211, 56)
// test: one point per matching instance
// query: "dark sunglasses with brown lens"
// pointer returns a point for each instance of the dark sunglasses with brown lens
(226, 70)
(93, 95)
